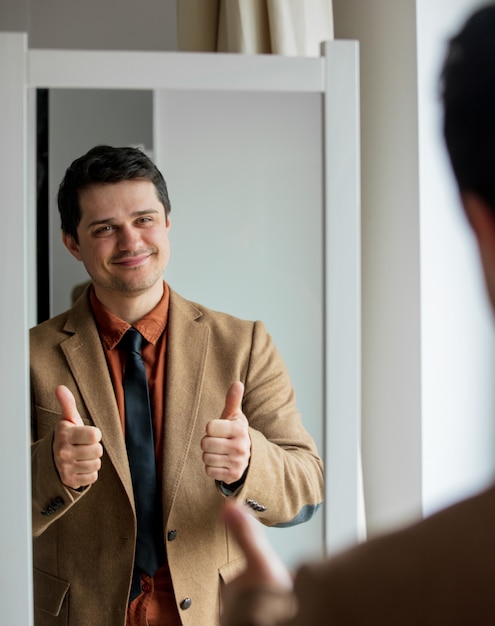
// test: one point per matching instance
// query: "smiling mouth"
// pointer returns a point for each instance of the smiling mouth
(133, 260)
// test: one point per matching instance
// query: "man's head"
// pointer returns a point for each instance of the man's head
(115, 219)
(105, 164)
(468, 95)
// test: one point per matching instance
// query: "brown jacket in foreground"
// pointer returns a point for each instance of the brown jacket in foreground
(83, 543)
(439, 572)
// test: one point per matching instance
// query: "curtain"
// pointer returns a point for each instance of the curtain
(286, 27)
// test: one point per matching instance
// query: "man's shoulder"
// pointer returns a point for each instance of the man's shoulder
(54, 324)
(201, 312)
(62, 324)
(473, 516)
(464, 529)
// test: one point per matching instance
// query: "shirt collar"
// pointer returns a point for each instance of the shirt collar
(111, 328)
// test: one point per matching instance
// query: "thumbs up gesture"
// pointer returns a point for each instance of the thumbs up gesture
(227, 444)
(76, 448)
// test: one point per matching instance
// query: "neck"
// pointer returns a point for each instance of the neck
(130, 307)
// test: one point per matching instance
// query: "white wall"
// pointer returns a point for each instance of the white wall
(391, 428)
(103, 25)
(458, 356)
(427, 338)
(14, 15)
(94, 24)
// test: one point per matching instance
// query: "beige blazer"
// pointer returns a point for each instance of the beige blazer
(83, 543)
(439, 572)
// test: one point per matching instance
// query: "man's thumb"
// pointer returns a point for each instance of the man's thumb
(68, 405)
(233, 400)
(244, 529)
(264, 566)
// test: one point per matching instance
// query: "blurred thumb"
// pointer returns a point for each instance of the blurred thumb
(233, 401)
(264, 566)
(245, 530)
(67, 403)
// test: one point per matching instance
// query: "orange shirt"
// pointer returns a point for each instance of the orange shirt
(153, 327)
(150, 605)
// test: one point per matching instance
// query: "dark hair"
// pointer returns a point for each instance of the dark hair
(468, 95)
(105, 164)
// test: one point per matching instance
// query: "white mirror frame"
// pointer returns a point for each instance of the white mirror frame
(335, 76)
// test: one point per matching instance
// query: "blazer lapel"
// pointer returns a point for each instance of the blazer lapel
(187, 345)
(88, 365)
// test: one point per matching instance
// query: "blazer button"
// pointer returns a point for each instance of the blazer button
(256, 505)
(171, 535)
(185, 604)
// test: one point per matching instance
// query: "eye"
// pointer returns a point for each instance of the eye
(104, 230)
(145, 220)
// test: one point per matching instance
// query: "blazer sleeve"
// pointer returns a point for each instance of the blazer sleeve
(50, 499)
(284, 482)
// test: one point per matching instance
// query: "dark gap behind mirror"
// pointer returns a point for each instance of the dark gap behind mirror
(42, 207)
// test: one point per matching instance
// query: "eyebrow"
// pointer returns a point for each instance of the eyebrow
(111, 220)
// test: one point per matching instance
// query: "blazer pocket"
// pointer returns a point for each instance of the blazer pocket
(49, 592)
(229, 571)
(45, 421)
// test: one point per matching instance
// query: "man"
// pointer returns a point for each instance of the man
(220, 409)
(441, 570)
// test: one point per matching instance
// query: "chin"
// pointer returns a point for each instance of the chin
(139, 285)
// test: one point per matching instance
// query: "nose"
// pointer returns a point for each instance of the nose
(129, 238)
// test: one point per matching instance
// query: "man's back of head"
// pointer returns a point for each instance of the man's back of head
(468, 95)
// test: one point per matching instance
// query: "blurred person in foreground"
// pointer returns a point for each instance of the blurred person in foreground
(440, 571)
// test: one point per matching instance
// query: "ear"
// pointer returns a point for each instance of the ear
(480, 215)
(71, 244)
(482, 219)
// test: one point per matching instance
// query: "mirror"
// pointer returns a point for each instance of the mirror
(244, 173)
(333, 78)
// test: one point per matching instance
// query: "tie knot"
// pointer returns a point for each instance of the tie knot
(132, 340)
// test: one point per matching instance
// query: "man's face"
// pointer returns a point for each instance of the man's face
(123, 237)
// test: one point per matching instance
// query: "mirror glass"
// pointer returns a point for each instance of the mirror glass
(244, 172)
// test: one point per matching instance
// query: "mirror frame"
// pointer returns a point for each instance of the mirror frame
(335, 76)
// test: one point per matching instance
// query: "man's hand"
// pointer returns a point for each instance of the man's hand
(76, 448)
(227, 445)
(264, 568)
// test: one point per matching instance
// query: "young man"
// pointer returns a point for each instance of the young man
(221, 411)
(441, 570)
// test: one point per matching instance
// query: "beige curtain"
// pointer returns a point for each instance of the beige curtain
(286, 27)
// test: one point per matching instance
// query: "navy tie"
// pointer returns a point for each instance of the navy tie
(141, 453)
